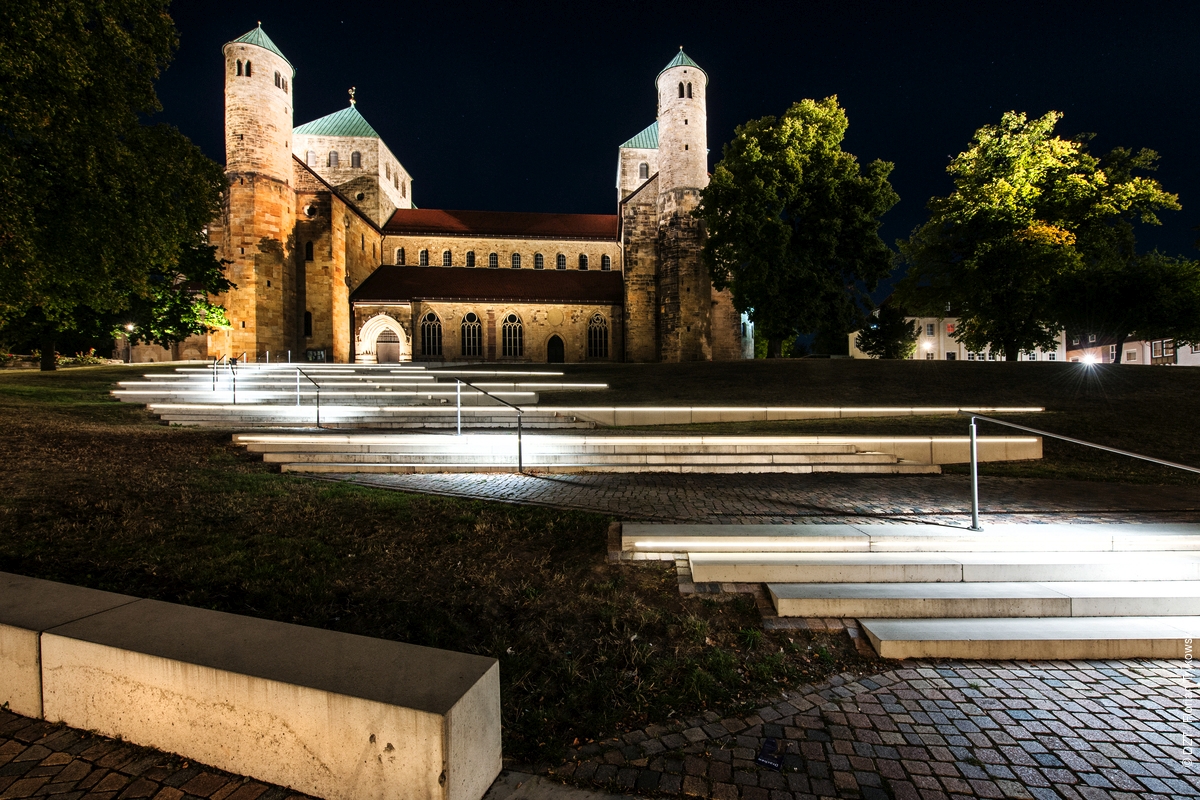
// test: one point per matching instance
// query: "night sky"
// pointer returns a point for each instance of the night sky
(521, 106)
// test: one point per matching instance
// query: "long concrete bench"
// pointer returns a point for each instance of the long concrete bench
(330, 714)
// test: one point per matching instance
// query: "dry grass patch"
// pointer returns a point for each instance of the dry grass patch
(94, 493)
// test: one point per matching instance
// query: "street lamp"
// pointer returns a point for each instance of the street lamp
(129, 326)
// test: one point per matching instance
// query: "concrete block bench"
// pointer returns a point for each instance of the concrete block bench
(330, 714)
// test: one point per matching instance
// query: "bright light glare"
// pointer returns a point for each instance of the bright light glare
(1089, 359)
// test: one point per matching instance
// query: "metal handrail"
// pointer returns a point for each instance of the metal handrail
(458, 394)
(975, 457)
(314, 383)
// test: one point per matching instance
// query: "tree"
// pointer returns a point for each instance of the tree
(1030, 212)
(890, 334)
(793, 223)
(101, 216)
(1153, 296)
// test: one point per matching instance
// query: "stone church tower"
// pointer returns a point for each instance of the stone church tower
(255, 230)
(672, 312)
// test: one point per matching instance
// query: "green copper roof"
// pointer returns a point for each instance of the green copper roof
(259, 37)
(347, 122)
(646, 140)
(682, 59)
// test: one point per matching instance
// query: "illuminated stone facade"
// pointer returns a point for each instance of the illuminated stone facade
(314, 212)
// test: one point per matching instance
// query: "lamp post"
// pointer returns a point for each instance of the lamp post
(129, 341)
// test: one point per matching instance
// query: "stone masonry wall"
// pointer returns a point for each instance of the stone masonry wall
(381, 194)
(255, 234)
(628, 161)
(258, 114)
(539, 321)
(639, 234)
(685, 289)
(503, 248)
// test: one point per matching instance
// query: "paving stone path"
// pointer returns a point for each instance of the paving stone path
(38, 759)
(1112, 730)
(768, 498)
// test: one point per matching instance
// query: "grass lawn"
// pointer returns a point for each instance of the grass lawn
(1149, 410)
(95, 493)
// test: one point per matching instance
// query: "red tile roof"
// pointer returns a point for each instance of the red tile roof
(393, 284)
(441, 222)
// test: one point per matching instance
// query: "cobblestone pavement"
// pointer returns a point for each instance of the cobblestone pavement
(38, 759)
(766, 498)
(1110, 730)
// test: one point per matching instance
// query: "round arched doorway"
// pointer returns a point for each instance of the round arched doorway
(387, 348)
(555, 351)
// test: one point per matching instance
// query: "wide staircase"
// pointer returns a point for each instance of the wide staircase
(387, 396)
(1016, 591)
(332, 452)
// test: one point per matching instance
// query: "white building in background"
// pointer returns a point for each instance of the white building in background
(1149, 352)
(936, 342)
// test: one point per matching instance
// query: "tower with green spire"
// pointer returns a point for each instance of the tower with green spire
(254, 231)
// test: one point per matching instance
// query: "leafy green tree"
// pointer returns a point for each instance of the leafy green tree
(1030, 212)
(101, 216)
(888, 334)
(793, 223)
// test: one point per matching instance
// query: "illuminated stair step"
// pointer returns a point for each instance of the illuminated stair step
(510, 466)
(1032, 639)
(942, 567)
(650, 538)
(934, 600)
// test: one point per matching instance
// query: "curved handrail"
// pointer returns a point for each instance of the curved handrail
(975, 458)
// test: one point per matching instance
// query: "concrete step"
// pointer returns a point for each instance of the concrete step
(533, 456)
(943, 567)
(581, 445)
(908, 538)
(583, 467)
(934, 600)
(1022, 638)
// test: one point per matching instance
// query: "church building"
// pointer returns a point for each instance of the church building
(333, 261)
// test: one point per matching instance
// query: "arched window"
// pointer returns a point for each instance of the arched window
(583, 261)
(308, 251)
(512, 337)
(431, 335)
(247, 69)
(239, 68)
(310, 157)
(387, 171)
(597, 337)
(605, 263)
(285, 84)
(516, 260)
(278, 80)
(539, 261)
(643, 171)
(404, 188)
(472, 336)
(308, 323)
(681, 88)
(493, 261)
(689, 90)
(400, 256)
(445, 258)
(423, 258)
(560, 261)
(356, 160)
(470, 258)
(333, 158)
